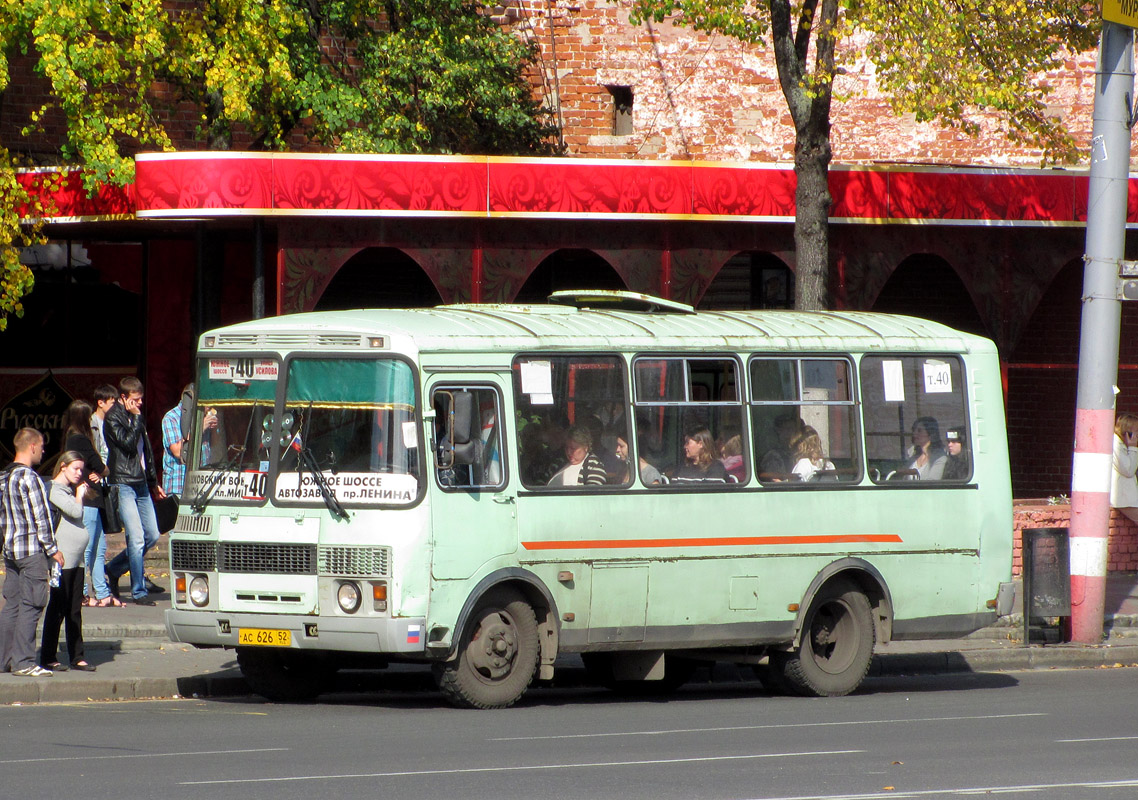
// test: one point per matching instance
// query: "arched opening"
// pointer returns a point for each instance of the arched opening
(750, 280)
(568, 269)
(379, 277)
(926, 286)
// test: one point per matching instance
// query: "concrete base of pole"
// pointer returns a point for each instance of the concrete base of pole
(1088, 600)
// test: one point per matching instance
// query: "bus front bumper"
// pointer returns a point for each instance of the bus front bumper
(364, 635)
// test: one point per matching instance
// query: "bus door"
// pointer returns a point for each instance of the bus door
(473, 513)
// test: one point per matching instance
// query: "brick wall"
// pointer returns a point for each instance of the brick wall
(1122, 544)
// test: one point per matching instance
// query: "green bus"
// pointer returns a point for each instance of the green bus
(486, 487)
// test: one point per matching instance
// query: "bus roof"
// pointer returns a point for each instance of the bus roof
(490, 328)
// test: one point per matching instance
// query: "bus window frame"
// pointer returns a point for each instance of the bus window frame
(318, 504)
(503, 441)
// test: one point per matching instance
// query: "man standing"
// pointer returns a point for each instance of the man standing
(29, 549)
(132, 468)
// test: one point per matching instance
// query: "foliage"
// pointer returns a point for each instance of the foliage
(954, 61)
(419, 76)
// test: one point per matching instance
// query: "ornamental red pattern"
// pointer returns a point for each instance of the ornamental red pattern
(204, 182)
(348, 183)
(565, 187)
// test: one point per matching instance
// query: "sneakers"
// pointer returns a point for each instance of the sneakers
(35, 671)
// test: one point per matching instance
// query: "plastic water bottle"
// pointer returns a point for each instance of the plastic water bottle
(56, 572)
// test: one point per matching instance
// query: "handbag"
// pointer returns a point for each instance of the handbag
(166, 512)
(112, 522)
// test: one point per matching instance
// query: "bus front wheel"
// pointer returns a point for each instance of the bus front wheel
(837, 644)
(284, 675)
(497, 657)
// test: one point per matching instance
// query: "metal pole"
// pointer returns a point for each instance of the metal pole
(258, 268)
(1098, 336)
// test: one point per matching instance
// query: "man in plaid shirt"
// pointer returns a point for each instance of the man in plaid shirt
(29, 549)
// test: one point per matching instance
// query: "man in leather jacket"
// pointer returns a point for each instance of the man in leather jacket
(132, 468)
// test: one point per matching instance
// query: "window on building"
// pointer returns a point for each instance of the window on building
(621, 110)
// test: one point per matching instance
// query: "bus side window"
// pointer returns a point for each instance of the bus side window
(468, 438)
(910, 405)
(572, 418)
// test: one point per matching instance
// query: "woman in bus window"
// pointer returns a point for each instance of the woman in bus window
(1123, 487)
(927, 453)
(702, 457)
(649, 475)
(809, 459)
(732, 451)
(584, 468)
(959, 462)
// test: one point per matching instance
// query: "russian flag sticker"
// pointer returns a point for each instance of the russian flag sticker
(413, 633)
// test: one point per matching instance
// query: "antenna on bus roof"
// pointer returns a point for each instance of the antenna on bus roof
(613, 300)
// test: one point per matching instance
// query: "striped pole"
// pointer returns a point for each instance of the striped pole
(1098, 335)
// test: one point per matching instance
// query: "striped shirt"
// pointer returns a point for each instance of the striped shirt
(24, 514)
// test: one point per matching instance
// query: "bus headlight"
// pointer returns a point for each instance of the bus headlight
(349, 596)
(199, 591)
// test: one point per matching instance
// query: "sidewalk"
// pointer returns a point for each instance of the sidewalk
(136, 660)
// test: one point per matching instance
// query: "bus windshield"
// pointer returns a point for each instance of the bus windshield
(348, 428)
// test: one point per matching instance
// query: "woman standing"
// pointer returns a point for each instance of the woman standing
(1123, 487)
(77, 437)
(65, 605)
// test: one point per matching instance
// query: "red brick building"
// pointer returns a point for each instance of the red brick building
(675, 208)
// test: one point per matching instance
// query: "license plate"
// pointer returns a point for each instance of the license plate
(264, 637)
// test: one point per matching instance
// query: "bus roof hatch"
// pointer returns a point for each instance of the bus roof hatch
(613, 300)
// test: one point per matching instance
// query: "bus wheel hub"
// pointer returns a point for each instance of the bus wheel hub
(499, 645)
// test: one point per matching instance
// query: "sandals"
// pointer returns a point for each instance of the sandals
(89, 602)
(110, 601)
(83, 666)
(54, 666)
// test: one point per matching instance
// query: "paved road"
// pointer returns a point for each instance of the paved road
(1039, 734)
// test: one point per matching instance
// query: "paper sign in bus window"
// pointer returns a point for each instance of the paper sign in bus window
(893, 375)
(537, 382)
(410, 435)
(938, 377)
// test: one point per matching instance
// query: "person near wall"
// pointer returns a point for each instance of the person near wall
(65, 604)
(78, 436)
(1123, 485)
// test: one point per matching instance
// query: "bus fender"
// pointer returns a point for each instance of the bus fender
(872, 584)
(544, 606)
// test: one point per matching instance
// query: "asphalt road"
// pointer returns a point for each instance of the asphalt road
(1058, 734)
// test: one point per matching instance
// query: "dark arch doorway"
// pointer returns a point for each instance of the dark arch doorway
(568, 269)
(750, 280)
(379, 277)
(926, 286)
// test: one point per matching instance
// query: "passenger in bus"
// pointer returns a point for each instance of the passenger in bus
(584, 468)
(732, 458)
(1123, 486)
(958, 465)
(649, 475)
(927, 453)
(809, 459)
(702, 459)
(777, 463)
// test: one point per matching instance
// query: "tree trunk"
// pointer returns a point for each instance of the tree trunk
(811, 222)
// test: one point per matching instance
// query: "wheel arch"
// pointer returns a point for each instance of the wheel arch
(868, 579)
(534, 590)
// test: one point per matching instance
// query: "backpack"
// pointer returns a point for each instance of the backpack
(56, 514)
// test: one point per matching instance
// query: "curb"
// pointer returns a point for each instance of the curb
(1058, 656)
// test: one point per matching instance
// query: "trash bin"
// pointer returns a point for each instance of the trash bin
(1046, 581)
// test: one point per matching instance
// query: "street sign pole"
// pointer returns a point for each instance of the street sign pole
(1098, 337)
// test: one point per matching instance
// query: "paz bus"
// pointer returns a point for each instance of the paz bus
(484, 488)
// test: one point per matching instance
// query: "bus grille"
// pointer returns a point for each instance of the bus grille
(190, 523)
(362, 561)
(289, 340)
(193, 556)
(267, 558)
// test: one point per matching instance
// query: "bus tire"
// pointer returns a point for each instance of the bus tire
(837, 644)
(284, 675)
(497, 657)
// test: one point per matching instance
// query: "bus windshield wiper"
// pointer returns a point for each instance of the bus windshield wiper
(206, 492)
(329, 496)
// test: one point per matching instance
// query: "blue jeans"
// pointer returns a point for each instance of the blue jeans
(96, 552)
(137, 512)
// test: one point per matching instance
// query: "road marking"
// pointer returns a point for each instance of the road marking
(963, 791)
(764, 727)
(1101, 739)
(144, 755)
(529, 767)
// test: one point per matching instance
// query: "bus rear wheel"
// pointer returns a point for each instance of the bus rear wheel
(837, 644)
(284, 675)
(497, 656)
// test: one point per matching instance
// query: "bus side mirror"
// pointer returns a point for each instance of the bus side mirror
(461, 429)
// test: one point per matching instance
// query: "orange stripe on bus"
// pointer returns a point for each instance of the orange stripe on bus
(718, 541)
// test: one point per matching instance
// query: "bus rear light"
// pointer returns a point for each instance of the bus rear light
(349, 597)
(379, 596)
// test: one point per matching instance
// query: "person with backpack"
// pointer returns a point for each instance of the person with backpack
(29, 549)
(65, 604)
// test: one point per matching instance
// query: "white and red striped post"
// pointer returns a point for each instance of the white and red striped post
(1098, 334)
